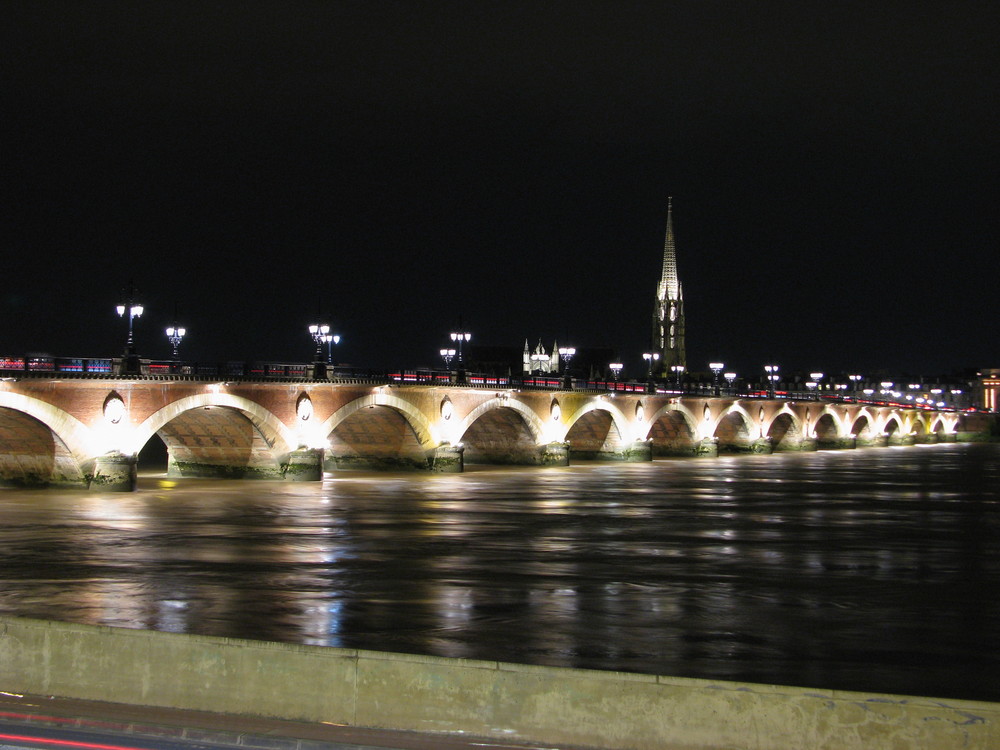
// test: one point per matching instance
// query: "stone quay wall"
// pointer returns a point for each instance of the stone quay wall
(612, 710)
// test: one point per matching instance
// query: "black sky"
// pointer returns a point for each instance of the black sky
(833, 168)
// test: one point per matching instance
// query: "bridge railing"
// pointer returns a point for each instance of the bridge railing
(43, 365)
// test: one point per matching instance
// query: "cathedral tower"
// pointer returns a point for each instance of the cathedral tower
(668, 314)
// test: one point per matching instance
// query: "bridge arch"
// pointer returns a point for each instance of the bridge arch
(893, 429)
(41, 445)
(734, 428)
(378, 431)
(506, 431)
(218, 435)
(80, 440)
(596, 429)
(784, 430)
(673, 430)
(827, 429)
(421, 426)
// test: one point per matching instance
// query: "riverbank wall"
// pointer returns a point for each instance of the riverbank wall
(612, 710)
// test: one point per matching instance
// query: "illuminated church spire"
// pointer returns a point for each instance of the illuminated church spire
(668, 314)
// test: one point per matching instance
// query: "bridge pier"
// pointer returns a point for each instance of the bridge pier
(638, 452)
(763, 446)
(114, 472)
(708, 447)
(448, 459)
(304, 465)
(554, 454)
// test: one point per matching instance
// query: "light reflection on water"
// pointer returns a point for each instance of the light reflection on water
(870, 569)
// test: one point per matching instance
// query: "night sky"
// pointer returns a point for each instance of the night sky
(395, 168)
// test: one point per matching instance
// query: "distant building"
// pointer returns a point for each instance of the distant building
(668, 312)
(989, 385)
(586, 362)
(538, 360)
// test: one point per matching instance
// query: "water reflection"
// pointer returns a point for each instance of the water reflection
(864, 570)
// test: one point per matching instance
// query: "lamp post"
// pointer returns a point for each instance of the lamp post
(730, 377)
(319, 331)
(678, 371)
(855, 382)
(651, 358)
(131, 308)
(461, 337)
(566, 354)
(716, 368)
(772, 378)
(330, 339)
(446, 355)
(174, 336)
(817, 378)
(616, 368)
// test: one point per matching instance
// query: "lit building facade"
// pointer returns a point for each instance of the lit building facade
(989, 383)
(668, 313)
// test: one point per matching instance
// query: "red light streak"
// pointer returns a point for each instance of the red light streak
(65, 743)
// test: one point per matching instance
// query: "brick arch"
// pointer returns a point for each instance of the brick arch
(734, 428)
(505, 432)
(682, 412)
(618, 419)
(672, 432)
(277, 435)
(33, 455)
(784, 430)
(944, 423)
(421, 426)
(893, 428)
(218, 435)
(827, 429)
(534, 424)
(840, 420)
(863, 428)
(80, 441)
(595, 429)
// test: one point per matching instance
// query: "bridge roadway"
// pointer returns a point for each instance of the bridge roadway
(87, 431)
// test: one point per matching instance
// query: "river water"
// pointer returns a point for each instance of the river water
(874, 569)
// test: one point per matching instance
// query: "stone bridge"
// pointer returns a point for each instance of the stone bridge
(87, 432)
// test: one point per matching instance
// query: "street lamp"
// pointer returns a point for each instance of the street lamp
(651, 358)
(818, 378)
(716, 368)
(174, 336)
(330, 339)
(566, 354)
(616, 368)
(446, 355)
(133, 309)
(678, 371)
(730, 377)
(855, 382)
(772, 377)
(319, 331)
(461, 338)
